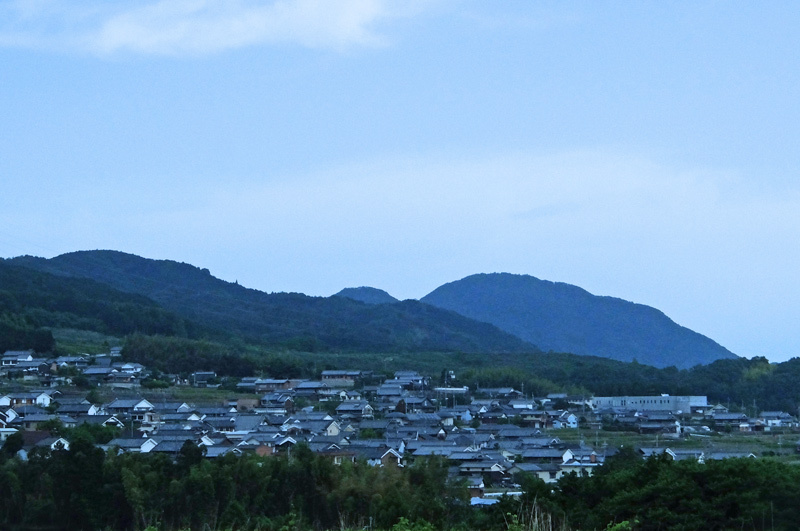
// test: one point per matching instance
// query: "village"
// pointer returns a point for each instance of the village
(487, 435)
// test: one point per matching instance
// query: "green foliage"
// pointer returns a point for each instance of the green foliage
(137, 491)
(13, 444)
(94, 433)
(281, 320)
(564, 318)
(180, 355)
(31, 301)
(19, 333)
(404, 525)
(658, 493)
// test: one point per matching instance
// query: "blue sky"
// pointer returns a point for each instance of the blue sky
(643, 150)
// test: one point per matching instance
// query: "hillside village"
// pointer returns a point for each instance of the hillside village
(487, 435)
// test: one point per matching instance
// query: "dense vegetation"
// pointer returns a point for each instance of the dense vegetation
(737, 383)
(36, 305)
(32, 303)
(565, 318)
(85, 488)
(367, 295)
(658, 493)
(184, 356)
(290, 320)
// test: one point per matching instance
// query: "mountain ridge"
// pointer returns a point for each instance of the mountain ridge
(367, 295)
(294, 320)
(491, 313)
(566, 318)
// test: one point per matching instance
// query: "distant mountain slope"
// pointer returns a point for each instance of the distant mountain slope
(565, 318)
(367, 295)
(291, 319)
(34, 300)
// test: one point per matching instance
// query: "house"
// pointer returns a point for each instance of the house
(137, 409)
(410, 380)
(476, 486)
(203, 379)
(11, 358)
(53, 443)
(40, 441)
(78, 409)
(566, 420)
(262, 442)
(128, 367)
(35, 420)
(388, 391)
(523, 404)
(543, 455)
(41, 398)
(356, 409)
(247, 384)
(264, 385)
(777, 419)
(499, 392)
(496, 469)
(461, 413)
(245, 404)
(103, 420)
(98, 374)
(171, 407)
(580, 462)
(723, 420)
(278, 402)
(340, 379)
(122, 380)
(328, 428)
(549, 473)
(413, 404)
(381, 457)
(81, 362)
(311, 389)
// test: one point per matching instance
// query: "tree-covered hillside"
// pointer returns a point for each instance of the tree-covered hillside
(291, 320)
(367, 295)
(565, 318)
(32, 303)
(85, 488)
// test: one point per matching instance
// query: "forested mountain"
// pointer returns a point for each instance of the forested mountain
(367, 295)
(32, 302)
(293, 320)
(565, 318)
(345, 333)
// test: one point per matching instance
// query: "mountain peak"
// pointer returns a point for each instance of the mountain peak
(562, 317)
(367, 295)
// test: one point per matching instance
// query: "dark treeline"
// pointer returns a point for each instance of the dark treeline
(658, 493)
(31, 301)
(737, 383)
(18, 334)
(85, 488)
(280, 320)
(183, 356)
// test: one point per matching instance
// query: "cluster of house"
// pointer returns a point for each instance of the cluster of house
(680, 415)
(101, 369)
(487, 435)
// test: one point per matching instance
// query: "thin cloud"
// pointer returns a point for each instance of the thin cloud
(191, 27)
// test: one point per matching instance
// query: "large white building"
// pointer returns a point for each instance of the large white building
(673, 404)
